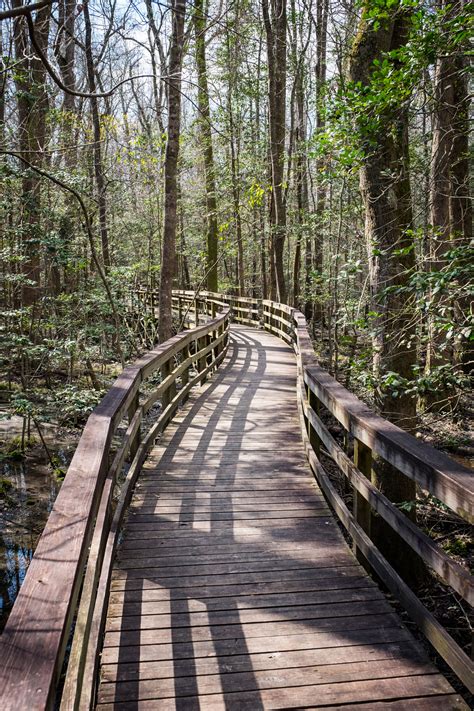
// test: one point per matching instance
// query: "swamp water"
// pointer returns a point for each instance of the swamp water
(28, 489)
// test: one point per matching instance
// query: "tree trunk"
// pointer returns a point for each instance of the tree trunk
(234, 165)
(97, 147)
(302, 192)
(451, 208)
(32, 103)
(320, 71)
(168, 257)
(275, 26)
(385, 191)
(64, 51)
(205, 121)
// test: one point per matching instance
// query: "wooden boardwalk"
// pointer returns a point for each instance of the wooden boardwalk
(233, 586)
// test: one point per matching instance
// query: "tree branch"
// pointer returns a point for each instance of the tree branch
(25, 9)
(57, 80)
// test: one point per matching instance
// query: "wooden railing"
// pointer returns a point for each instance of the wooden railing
(371, 435)
(451, 483)
(190, 306)
(74, 555)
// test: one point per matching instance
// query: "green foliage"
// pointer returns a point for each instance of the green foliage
(5, 486)
(458, 546)
(74, 404)
(16, 447)
(407, 506)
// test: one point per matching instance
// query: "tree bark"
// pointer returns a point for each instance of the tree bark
(64, 51)
(97, 147)
(450, 204)
(275, 26)
(386, 195)
(316, 309)
(303, 238)
(168, 257)
(234, 144)
(205, 122)
(32, 103)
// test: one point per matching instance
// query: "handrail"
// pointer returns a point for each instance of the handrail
(433, 471)
(76, 548)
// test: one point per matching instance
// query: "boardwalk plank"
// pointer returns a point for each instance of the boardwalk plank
(405, 687)
(239, 591)
(258, 629)
(242, 617)
(243, 682)
(235, 580)
(260, 662)
(129, 653)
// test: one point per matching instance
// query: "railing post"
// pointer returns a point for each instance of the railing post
(218, 346)
(266, 310)
(170, 391)
(133, 407)
(362, 508)
(312, 434)
(180, 310)
(185, 375)
(202, 361)
(208, 341)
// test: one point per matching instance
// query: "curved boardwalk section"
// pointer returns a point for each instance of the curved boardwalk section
(233, 587)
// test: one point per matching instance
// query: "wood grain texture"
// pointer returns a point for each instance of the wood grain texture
(233, 587)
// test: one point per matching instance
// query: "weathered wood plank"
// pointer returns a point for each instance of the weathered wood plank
(225, 559)
(255, 579)
(446, 702)
(243, 682)
(245, 616)
(264, 661)
(342, 559)
(303, 696)
(329, 595)
(271, 629)
(253, 645)
(287, 529)
(225, 506)
(305, 584)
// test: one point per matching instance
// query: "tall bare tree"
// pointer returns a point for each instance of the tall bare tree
(97, 147)
(32, 103)
(206, 133)
(275, 20)
(173, 81)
